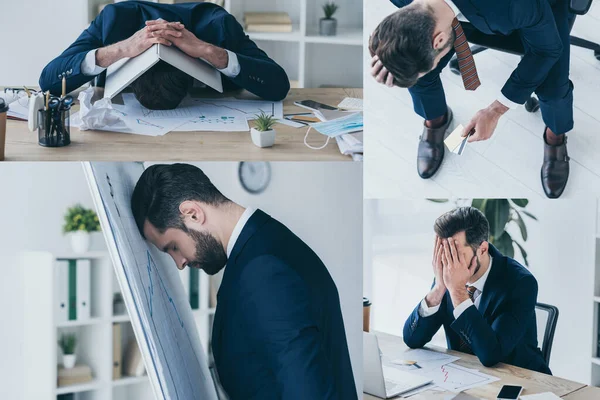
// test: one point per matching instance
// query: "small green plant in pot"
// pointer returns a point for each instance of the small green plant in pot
(328, 24)
(80, 222)
(263, 134)
(68, 343)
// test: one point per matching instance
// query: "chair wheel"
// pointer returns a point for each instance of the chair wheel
(597, 54)
(532, 105)
(454, 66)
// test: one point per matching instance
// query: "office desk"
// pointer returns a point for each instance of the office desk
(532, 382)
(586, 393)
(21, 145)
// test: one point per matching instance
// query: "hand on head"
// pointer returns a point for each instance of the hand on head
(456, 269)
(380, 73)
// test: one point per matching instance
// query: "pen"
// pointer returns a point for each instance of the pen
(27, 91)
(64, 86)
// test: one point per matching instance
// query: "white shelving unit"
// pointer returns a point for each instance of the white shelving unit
(95, 335)
(595, 378)
(310, 60)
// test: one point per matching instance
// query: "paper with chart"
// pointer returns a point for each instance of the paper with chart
(424, 359)
(455, 378)
(160, 313)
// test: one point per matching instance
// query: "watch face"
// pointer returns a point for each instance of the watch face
(254, 176)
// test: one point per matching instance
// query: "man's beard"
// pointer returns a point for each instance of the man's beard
(210, 256)
(477, 266)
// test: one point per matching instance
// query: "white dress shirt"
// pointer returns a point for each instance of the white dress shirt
(500, 97)
(89, 67)
(237, 230)
(426, 311)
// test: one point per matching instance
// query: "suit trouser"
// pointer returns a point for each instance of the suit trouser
(555, 93)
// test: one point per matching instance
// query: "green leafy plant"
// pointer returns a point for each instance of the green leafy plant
(79, 218)
(329, 9)
(67, 343)
(264, 122)
(500, 213)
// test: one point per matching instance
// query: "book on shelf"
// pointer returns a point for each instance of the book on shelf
(117, 352)
(133, 362)
(73, 285)
(267, 22)
(72, 376)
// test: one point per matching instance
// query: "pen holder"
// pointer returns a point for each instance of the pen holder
(54, 129)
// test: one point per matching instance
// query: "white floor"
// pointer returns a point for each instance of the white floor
(507, 165)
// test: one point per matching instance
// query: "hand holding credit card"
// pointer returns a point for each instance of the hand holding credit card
(455, 142)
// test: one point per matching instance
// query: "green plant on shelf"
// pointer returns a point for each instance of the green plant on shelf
(330, 9)
(67, 343)
(264, 122)
(79, 218)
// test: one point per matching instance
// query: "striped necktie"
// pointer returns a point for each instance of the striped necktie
(466, 63)
(464, 346)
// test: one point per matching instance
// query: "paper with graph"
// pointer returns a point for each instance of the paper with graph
(455, 378)
(160, 313)
(422, 359)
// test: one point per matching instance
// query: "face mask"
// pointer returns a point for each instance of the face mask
(336, 127)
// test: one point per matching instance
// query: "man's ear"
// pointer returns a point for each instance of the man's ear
(192, 213)
(483, 248)
(439, 40)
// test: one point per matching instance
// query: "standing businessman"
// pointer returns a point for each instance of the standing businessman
(201, 30)
(278, 331)
(412, 46)
(484, 300)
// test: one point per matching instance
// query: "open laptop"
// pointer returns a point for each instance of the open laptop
(375, 383)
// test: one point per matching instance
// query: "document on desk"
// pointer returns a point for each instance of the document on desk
(250, 108)
(455, 378)
(421, 359)
(541, 396)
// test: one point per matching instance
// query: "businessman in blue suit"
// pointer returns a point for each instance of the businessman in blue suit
(412, 46)
(484, 300)
(201, 30)
(278, 331)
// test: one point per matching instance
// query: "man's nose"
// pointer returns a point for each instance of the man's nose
(181, 263)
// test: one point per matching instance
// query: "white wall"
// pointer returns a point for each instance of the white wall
(320, 202)
(561, 256)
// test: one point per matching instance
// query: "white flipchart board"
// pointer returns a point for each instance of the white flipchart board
(158, 308)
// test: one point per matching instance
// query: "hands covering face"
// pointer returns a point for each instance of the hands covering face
(455, 269)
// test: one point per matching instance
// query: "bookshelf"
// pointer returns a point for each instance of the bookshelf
(595, 378)
(95, 335)
(310, 60)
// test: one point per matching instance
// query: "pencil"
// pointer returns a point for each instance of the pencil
(64, 86)
(47, 99)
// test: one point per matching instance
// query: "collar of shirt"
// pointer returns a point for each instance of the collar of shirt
(456, 11)
(479, 284)
(237, 230)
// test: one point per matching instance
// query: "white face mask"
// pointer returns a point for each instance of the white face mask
(336, 127)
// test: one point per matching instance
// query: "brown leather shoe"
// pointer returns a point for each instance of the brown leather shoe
(431, 148)
(555, 168)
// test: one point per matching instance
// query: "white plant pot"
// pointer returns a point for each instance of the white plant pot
(69, 360)
(80, 241)
(263, 139)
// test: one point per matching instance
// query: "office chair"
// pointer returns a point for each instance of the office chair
(512, 44)
(546, 317)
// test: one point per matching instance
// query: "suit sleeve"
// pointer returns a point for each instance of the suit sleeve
(543, 48)
(493, 343)
(278, 319)
(418, 330)
(258, 74)
(71, 59)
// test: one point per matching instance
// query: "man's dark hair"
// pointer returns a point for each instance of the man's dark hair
(467, 219)
(162, 87)
(162, 188)
(403, 43)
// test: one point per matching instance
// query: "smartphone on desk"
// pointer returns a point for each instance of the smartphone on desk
(509, 392)
(313, 105)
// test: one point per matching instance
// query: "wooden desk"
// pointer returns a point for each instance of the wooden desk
(21, 145)
(586, 393)
(532, 382)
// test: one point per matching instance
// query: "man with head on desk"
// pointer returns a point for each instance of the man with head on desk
(201, 30)
(278, 331)
(412, 46)
(484, 300)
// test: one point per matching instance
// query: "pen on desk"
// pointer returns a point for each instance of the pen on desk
(64, 86)
(27, 91)
(47, 99)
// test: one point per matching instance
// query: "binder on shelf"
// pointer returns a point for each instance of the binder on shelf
(83, 289)
(117, 352)
(72, 290)
(194, 288)
(61, 295)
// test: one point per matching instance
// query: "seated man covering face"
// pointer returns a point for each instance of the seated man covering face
(484, 300)
(201, 30)
(278, 331)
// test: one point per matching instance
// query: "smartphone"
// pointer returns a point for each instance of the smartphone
(313, 105)
(509, 392)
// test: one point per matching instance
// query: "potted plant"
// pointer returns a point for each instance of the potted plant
(67, 343)
(328, 25)
(263, 134)
(79, 223)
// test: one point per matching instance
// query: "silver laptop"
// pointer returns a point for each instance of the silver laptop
(396, 382)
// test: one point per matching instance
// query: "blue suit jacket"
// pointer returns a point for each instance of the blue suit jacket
(278, 331)
(533, 21)
(502, 330)
(209, 22)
